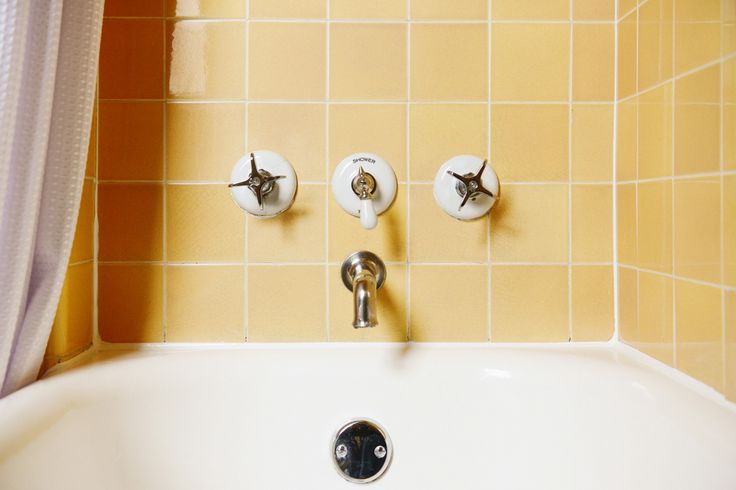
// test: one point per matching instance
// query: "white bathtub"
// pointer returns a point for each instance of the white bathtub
(460, 417)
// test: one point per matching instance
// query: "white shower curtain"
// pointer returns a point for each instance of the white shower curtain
(48, 68)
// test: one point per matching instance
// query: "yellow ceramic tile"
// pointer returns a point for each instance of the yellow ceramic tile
(203, 224)
(592, 217)
(391, 308)
(72, 328)
(83, 245)
(624, 7)
(368, 61)
(729, 114)
(130, 221)
(699, 332)
(376, 128)
(592, 303)
(655, 133)
(458, 9)
(277, 52)
(387, 240)
(132, 59)
(527, 216)
(627, 39)
(696, 43)
(593, 62)
(529, 142)
(204, 304)
(626, 137)
(131, 303)
(297, 9)
(530, 62)
(628, 317)
(436, 237)
(438, 132)
(91, 166)
(207, 8)
(298, 235)
(592, 142)
(698, 229)
(516, 317)
(698, 10)
(296, 131)
(206, 60)
(729, 230)
(654, 231)
(299, 317)
(655, 42)
(359, 9)
(133, 8)
(655, 316)
(593, 9)
(444, 308)
(730, 381)
(626, 224)
(131, 140)
(203, 141)
(530, 10)
(449, 62)
(698, 122)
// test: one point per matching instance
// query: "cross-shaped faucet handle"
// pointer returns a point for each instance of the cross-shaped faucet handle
(471, 184)
(260, 182)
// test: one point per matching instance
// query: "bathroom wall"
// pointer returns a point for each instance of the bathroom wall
(188, 87)
(676, 184)
(72, 330)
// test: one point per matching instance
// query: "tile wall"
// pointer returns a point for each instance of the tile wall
(187, 87)
(676, 184)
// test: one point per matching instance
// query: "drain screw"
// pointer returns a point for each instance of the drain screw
(380, 452)
(341, 451)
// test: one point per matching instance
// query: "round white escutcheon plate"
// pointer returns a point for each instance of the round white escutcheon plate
(283, 192)
(348, 169)
(446, 188)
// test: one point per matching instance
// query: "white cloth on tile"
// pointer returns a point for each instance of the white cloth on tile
(48, 68)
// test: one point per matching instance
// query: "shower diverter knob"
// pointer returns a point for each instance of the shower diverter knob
(364, 185)
(263, 183)
(466, 187)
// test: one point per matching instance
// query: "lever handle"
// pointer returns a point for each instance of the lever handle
(368, 216)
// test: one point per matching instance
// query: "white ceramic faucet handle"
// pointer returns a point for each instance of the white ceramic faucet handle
(466, 187)
(368, 216)
(364, 185)
(263, 183)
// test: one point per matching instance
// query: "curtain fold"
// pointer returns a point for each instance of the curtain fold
(48, 67)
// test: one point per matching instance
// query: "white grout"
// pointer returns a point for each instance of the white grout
(328, 35)
(489, 218)
(407, 249)
(569, 176)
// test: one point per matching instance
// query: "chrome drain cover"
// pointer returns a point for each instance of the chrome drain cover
(361, 450)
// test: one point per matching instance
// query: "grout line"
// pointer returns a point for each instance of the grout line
(182, 263)
(569, 176)
(96, 340)
(359, 102)
(327, 19)
(676, 277)
(407, 313)
(672, 173)
(684, 74)
(614, 198)
(164, 159)
(246, 251)
(328, 36)
(489, 218)
(722, 220)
